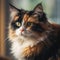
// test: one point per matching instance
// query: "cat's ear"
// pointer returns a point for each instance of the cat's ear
(38, 8)
(13, 11)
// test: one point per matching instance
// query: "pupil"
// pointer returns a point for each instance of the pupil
(28, 23)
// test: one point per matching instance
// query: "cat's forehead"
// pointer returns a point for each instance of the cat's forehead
(30, 18)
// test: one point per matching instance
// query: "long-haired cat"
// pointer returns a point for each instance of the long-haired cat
(32, 36)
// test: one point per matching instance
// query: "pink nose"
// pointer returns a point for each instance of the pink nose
(21, 30)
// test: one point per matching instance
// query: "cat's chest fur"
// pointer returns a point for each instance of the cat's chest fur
(22, 48)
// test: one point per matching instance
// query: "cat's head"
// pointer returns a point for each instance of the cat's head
(27, 23)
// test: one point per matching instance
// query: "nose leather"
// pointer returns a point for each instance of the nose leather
(22, 30)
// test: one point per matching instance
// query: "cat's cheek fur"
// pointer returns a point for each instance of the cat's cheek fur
(17, 32)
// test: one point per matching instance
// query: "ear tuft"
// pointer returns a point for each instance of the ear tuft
(38, 8)
(13, 11)
(13, 8)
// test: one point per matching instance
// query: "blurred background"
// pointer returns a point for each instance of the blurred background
(51, 7)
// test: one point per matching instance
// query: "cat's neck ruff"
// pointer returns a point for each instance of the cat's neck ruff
(21, 48)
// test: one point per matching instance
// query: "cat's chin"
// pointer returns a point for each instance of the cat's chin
(26, 36)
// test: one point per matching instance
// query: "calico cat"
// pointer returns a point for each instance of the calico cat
(32, 36)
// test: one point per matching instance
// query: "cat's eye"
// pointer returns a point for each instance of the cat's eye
(30, 24)
(18, 24)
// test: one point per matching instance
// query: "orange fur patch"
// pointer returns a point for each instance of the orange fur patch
(15, 18)
(25, 18)
(33, 19)
(29, 51)
(12, 34)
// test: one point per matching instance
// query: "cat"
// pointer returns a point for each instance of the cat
(32, 36)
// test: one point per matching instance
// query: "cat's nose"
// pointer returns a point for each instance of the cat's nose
(21, 30)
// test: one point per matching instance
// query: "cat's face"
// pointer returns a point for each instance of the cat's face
(27, 24)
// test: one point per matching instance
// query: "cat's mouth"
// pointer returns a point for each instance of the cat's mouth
(32, 37)
(27, 34)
